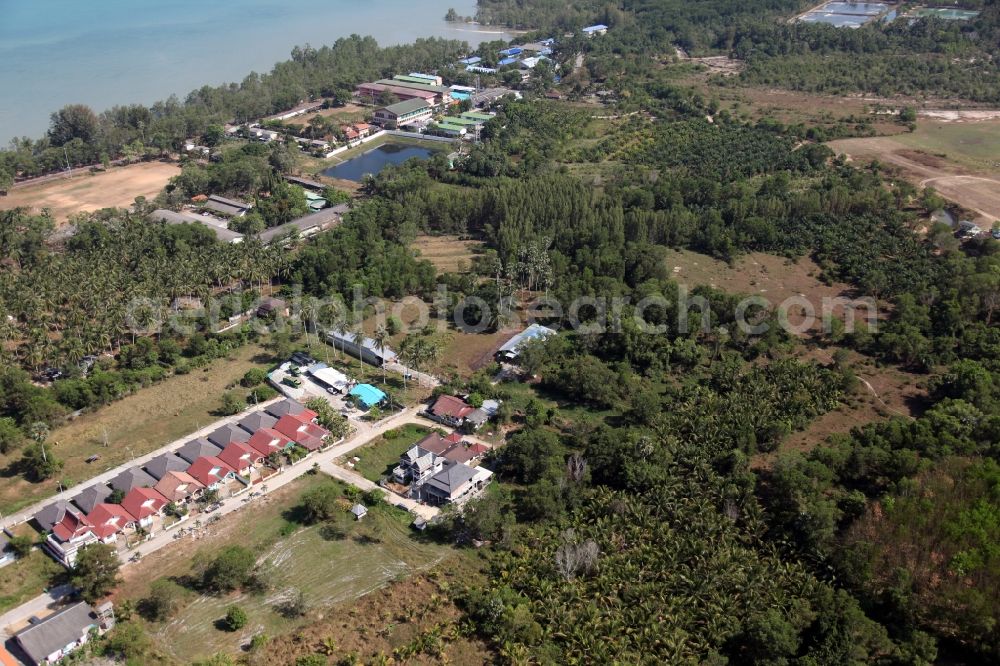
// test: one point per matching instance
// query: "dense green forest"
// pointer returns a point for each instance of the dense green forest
(920, 58)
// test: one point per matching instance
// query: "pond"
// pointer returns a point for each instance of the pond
(376, 159)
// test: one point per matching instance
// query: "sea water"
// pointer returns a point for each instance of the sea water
(108, 52)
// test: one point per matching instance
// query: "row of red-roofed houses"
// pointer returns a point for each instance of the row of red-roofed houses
(228, 461)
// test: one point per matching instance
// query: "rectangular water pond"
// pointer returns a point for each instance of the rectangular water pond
(377, 159)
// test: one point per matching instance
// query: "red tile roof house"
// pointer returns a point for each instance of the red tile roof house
(465, 452)
(437, 444)
(268, 440)
(211, 472)
(109, 520)
(305, 433)
(144, 504)
(450, 410)
(179, 487)
(68, 536)
(241, 458)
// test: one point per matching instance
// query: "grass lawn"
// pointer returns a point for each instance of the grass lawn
(137, 424)
(378, 458)
(331, 563)
(28, 577)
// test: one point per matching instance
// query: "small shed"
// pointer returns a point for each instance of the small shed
(359, 511)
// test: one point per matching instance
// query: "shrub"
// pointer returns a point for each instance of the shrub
(319, 503)
(254, 377)
(261, 394)
(162, 602)
(236, 618)
(230, 569)
(232, 403)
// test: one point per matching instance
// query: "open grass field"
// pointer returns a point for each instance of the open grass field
(974, 145)
(26, 578)
(137, 424)
(117, 187)
(331, 563)
(449, 254)
(379, 457)
(959, 160)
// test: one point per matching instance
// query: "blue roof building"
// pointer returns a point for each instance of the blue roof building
(368, 395)
(507, 61)
(473, 60)
(512, 51)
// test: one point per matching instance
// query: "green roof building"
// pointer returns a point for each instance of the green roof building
(402, 113)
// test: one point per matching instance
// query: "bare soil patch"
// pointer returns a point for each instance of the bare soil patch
(772, 277)
(449, 254)
(86, 193)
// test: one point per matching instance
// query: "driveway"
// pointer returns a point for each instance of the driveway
(40, 605)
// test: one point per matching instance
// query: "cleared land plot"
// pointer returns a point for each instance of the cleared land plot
(346, 113)
(772, 277)
(115, 188)
(139, 423)
(449, 254)
(330, 563)
(942, 159)
(459, 352)
(397, 616)
(378, 458)
(975, 145)
(882, 393)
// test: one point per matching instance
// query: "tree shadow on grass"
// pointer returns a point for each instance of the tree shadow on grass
(366, 539)
(331, 532)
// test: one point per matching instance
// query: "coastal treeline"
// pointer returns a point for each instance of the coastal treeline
(80, 136)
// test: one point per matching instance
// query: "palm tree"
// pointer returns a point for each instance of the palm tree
(381, 339)
(357, 331)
